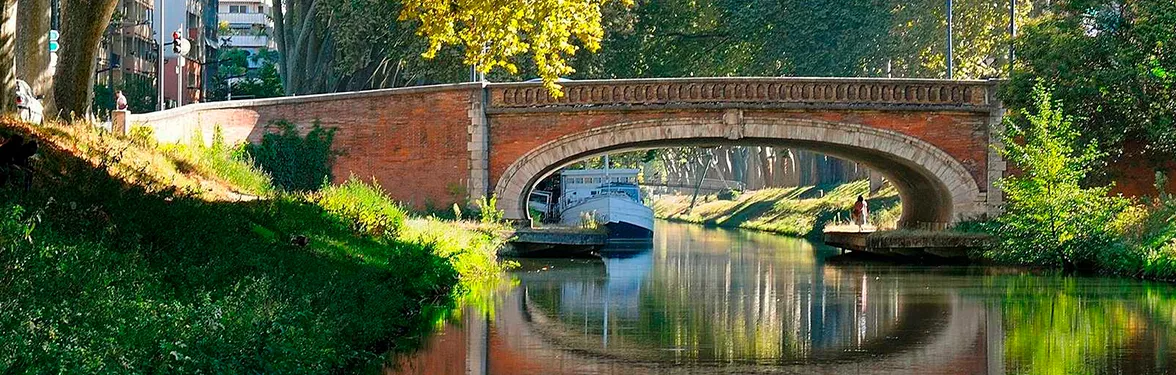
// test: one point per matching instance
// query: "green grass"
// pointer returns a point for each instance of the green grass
(800, 211)
(122, 260)
(228, 164)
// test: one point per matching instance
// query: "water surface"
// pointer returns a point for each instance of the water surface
(720, 301)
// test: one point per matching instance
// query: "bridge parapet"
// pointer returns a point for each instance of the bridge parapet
(750, 92)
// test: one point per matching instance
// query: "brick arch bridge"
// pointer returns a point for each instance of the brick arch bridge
(437, 145)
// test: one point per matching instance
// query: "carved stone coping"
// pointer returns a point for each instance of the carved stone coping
(749, 92)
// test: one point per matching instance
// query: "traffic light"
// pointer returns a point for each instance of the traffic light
(177, 41)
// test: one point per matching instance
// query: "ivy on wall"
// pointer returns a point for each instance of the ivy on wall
(296, 162)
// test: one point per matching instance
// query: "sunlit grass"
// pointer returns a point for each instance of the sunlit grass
(130, 257)
(799, 211)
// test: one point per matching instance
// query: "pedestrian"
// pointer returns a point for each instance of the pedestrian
(120, 101)
(859, 213)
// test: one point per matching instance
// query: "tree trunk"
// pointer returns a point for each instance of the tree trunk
(82, 25)
(7, 55)
(280, 39)
(32, 45)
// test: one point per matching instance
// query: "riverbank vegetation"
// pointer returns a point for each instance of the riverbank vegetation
(799, 211)
(127, 257)
(1053, 219)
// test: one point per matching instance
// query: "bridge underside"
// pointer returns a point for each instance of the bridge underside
(935, 188)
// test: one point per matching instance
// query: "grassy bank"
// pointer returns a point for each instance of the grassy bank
(800, 211)
(126, 257)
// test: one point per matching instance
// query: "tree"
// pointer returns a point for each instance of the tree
(262, 82)
(1049, 218)
(1114, 64)
(32, 45)
(7, 54)
(492, 33)
(82, 25)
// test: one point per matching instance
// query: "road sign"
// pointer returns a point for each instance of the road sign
(53, 44)
(185, 46)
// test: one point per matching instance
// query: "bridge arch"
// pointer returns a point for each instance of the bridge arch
(935, 188)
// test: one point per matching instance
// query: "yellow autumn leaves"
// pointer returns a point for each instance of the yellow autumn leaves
(494, 31)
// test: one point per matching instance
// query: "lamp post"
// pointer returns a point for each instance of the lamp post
(1012, 33)
(950, 53)
(159, 74)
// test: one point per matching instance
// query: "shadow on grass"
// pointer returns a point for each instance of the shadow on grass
(103, 276)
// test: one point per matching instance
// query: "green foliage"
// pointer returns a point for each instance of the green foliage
(262, 82)
(142, 135)
(296, 162)
(369, 210)
(1148, 246)
(488, 210)
(1111, 62)
(1050, 218)
(493, 33)
(728, 194)
(682, 38)
(112, 272)
(228, 163)
(139, 91)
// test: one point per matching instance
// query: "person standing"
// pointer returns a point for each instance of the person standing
(120, 101)
(859, 213)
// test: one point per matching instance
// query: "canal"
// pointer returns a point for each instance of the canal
(708, 300)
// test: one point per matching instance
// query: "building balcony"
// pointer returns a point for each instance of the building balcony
(248, 41)
(244, 18)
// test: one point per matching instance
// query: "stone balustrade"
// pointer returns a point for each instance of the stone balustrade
(763, 92)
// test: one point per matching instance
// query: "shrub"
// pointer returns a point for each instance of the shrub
(364, 206)
(228, 163)
(142, 135)
(488, 210)
(727, 194)
(296, 162)
(1050, 219)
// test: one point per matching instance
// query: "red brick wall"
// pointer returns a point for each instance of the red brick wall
(960, 134)
(412, 143)
(1134, 173)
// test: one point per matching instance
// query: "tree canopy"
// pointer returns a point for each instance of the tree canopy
(493, 32)
(1113, 62)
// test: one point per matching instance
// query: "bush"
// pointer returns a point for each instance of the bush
(1050, 219)
(228, 163)
(488, 210)
(365, 207)
(114, 270)
(295, 162)
(727, 194)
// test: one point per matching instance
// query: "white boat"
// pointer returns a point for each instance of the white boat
(611, 198)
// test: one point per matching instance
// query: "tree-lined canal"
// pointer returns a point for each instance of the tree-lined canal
(720, 301)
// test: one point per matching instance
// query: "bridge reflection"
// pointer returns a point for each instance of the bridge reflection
(711, 301)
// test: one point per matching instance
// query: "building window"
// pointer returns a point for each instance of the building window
(261, 9)
(238, 9)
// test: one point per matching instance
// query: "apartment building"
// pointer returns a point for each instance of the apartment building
(129, 48)
(246, 24)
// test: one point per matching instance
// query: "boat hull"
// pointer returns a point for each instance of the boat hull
(625, 219)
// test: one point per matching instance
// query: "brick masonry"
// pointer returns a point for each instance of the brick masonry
(441, 144)
(414, 142)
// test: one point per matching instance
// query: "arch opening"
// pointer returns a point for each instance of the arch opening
(934, 188)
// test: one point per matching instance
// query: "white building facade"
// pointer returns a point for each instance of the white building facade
(246, 25)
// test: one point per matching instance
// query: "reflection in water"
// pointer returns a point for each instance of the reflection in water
(714, 301)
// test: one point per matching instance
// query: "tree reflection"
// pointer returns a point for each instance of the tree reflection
(1081, 326)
